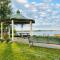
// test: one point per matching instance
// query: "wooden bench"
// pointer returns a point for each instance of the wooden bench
(33, 40)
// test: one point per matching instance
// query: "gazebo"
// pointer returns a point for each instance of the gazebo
(16, 19)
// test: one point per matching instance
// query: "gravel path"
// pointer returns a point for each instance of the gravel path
(47, 45)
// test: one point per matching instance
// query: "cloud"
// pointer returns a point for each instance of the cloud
(27, 5)
(57, 5)
(47, 1)
(31, 6)
(49, 11)
(42, 14)
(22, 1)
(14, 7)
(43, 6)
(33, 3)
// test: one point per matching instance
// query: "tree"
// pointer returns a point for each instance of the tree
(5, 8)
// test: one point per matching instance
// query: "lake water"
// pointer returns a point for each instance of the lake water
(44, 32)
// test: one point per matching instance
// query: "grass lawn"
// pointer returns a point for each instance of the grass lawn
(15, 51)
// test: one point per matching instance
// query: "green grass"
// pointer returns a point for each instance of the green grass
(15, 51)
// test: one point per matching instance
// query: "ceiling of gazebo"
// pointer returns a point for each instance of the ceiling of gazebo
(18, 19)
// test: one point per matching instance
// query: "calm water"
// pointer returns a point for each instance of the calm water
(48, 32)
(45, 32)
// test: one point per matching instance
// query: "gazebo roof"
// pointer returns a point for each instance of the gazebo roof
(18, 19)
(18, 15)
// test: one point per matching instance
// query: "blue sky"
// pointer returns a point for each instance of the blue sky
(46, 13)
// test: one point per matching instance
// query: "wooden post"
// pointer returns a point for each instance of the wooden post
(12, 30)
(22, 30)
(30, 28)
(1, 30)
(9, 32)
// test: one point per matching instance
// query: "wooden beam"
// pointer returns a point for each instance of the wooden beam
(9, 32)
(30, 28)
(12, 30)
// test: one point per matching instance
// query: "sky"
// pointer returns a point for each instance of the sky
(46, 13)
